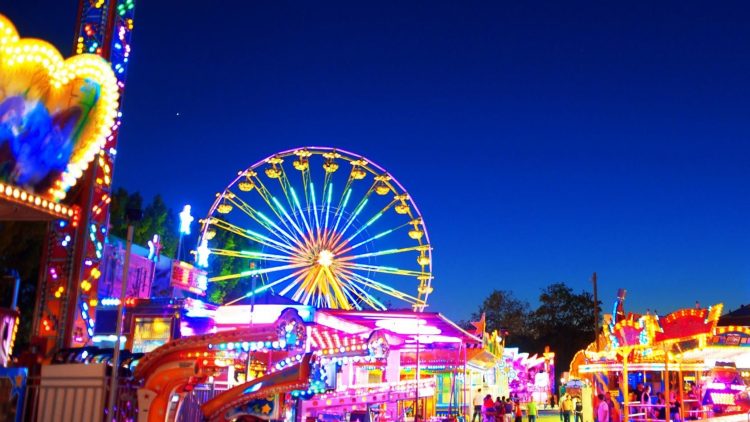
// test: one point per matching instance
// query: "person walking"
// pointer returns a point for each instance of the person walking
(646, 401)
(602, 411)
(578, 409)
(500, 409)
(508, 410)
(567, 408)
(531, 410)
(488, 409)
(477, 401)
(518, 412)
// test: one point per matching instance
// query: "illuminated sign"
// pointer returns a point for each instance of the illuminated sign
(187, 277)
(185, 220)
(201, 255)
(55, 116)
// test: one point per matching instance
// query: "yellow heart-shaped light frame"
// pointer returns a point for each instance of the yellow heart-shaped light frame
(35, 69)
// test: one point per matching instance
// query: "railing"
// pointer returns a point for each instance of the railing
(84, 399)
(191, 405)
(641, 412)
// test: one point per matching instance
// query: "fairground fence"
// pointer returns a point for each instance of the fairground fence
(55, 399)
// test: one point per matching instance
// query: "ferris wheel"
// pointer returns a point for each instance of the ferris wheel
(327, 228)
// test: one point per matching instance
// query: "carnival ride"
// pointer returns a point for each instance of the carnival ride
(55, 117)
(59, 121)
(331, 228)
(297, 352)
(671, 348)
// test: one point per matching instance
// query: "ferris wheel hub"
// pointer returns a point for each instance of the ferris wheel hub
(325, 258)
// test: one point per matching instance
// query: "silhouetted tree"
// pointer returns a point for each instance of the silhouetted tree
(563, 321)
(504, 312)
(21, 250)
(158, 218)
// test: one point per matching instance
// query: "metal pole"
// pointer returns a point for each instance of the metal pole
(625, 386)
(667, 403)
(681, 396)
(596, 313)
(16, 288)
(416, 400)
(250, 353)
(464, 405)
(179, 247)
(118, 329)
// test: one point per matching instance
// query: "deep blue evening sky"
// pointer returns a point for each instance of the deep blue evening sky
(541, 140)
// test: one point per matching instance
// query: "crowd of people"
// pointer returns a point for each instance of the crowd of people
(656, 409)
(501, 409)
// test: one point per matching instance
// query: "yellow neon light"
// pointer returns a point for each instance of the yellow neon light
(35, 70)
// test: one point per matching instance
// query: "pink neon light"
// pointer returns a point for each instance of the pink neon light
(408, 327)
(429, 339)
(264, 314)
(339, 324)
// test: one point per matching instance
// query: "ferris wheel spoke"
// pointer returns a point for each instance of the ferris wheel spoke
(323, 289)
(265, 287)
(264, 193)
(275, 228)
(257, 272)
(299, 210)
(249, 234)
(379, 253)
(383, 270)
(328, 194)
(296, 281)
(335, 285)
(312, 286)
(291, 221)
(351, 219)
(358, 209)
(270, 200)
(262, 220)
(340, 208)
(344, 191)
(315, 208)
(251, 255)
(362, 293)
(353, 302)
(341, 250)
(304, 286)
(285, 187)
(390, 291)
(276, 282)
(305, 186)
(370, 222)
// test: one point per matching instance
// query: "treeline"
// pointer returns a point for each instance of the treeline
(564, 321)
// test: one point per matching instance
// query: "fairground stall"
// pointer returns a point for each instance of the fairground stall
(687, 365)
(528, 377)
(318, 363)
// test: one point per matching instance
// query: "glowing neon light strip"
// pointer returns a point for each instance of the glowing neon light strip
(299, 208)
(291, 221)
(383, 270)
(328, 207)
(252, 213)
(341, 208)
(256, 272)
(315, 207)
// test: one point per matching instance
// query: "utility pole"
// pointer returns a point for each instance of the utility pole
(132, 216)
(596, 312)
